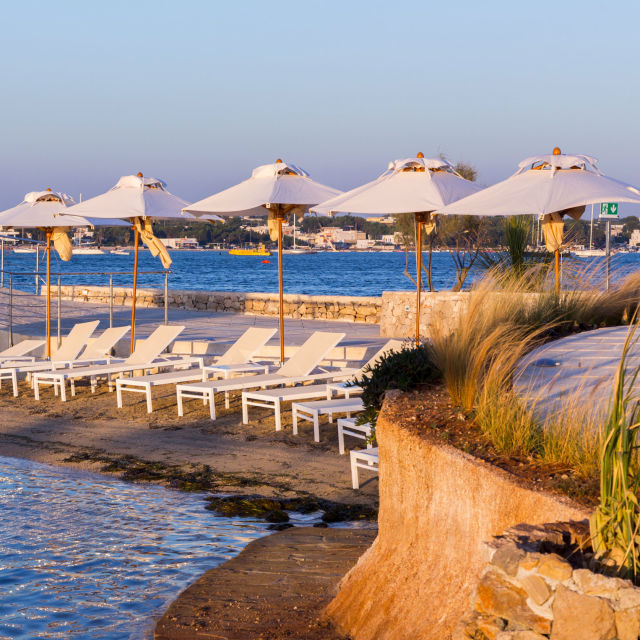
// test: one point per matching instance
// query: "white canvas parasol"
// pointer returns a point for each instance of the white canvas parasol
(413, 185)
(41, 210)
(139, 200)
(550, 186)
(273, 190)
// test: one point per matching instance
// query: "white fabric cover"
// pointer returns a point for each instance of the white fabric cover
(39, 209)
(542, 191)
(132, 197)
(410, 185)
(278, 183)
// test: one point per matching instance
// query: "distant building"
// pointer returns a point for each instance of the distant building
(388, 238)
(616, 229)
(634, 240)
(180, 243)
(385, 220)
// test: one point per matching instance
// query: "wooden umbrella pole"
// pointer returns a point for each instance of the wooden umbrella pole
(135, 287)
(421, 218)
(280, 286)
(48, 293)
(557, 270)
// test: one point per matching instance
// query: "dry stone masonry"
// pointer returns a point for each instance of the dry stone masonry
(343, 308)
(539, 585)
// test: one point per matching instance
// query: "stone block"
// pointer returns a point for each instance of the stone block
(498, 597)
(554, 568)
(507, 557)
(578, 616)
(595, 584)
(627, 624)
(628, 598)
(537, 588)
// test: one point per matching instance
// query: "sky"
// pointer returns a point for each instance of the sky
(199, 92)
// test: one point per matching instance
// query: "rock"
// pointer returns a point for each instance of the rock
(580, 617)
(530, 561)
(496, 596)
(527, 635)
(628, 624)
(595, 584)
(490, 627)
(537, 588)
(629, 597)
(555, 568)
(507, 557)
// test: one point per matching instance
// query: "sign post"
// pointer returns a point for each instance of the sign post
(608, 210)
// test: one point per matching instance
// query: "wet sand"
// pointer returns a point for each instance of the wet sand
(276, 588)
(250, 458)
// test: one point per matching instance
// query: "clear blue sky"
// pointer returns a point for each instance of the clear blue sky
(199, 92)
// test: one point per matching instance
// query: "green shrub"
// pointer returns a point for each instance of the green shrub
(405, 370)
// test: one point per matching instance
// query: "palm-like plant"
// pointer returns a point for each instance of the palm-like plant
(615, 524)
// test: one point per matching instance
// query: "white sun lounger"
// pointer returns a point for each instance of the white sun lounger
(18, 353)
(71, 346)
(298, 368)
(314, 409)
(363, 459)
(273, 398)
(237, 358)
(348, 427)
(145, 356)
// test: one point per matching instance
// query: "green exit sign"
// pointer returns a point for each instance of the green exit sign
(609, 210)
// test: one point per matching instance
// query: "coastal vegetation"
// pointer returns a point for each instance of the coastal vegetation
(475, 361)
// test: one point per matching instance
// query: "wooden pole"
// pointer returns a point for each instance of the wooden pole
(419, 275)
(135, 287)
(280, 284)
(48, 292)
(557, 270)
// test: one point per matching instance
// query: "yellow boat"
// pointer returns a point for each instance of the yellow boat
(260, 250)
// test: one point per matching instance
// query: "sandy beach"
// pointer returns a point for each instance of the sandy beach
(244, 459)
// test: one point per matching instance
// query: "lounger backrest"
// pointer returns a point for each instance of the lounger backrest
(150, 348)
(392, 345)
(21, 349)
(102, 345)
(74, 341)
(309, 355)
(246, 346)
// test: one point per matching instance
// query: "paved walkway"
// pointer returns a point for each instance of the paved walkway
(584, 364)
(28, 317)
(276, 588)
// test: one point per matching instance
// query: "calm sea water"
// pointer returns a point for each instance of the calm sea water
(343, 273)
(88, 557)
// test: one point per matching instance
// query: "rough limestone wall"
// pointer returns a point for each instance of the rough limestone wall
(398, 315)
(437, 507)
(343, 308)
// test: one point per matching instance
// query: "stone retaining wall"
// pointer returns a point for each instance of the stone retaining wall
(343, 308)
(538, 585)
(437, 506)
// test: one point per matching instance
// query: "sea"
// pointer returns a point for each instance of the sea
(347, 273)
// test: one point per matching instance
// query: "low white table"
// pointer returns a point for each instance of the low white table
(313, 410)
(348, 427)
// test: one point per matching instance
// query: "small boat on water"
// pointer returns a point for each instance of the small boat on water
(87, 251)
(119, 252)
(24, 250)
(260, 250)
(589, 253)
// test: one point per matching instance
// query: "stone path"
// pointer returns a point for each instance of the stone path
(29, 309)
(583, 364)
(276, 588)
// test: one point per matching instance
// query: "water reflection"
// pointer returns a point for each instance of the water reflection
(82, 556)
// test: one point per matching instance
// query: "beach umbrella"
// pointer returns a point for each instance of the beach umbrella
(275, 191)
(550, 186)
(413, 185)
(41, 210)
(139, 200)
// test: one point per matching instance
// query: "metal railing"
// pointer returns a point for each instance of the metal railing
(14, 277)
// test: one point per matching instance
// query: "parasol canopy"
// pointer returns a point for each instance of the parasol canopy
(409, 185)
(273, 190)
(412, 185)
(546, 184)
